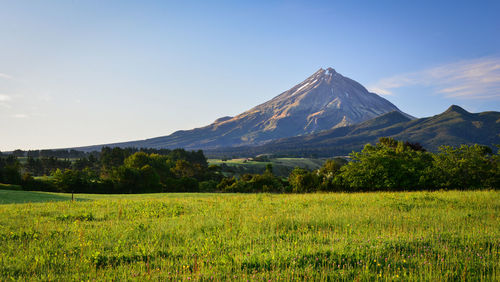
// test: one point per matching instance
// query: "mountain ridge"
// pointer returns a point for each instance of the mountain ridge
(454, 127)
(325, 100)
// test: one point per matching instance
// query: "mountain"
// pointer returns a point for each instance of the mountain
(323, 101)
(453, 127)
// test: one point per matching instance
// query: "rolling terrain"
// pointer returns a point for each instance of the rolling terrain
(453, 127)
(281, 166)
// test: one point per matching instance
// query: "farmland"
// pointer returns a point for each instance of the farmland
(450, 235)
(281, 166)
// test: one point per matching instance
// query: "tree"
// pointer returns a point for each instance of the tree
(465, 167)
(112, 157)
(126, 179)
(328, 172)
(18, 153)
(10, 170)
(494, 179)
(34, 166)
(303, 181)
(185, 168)
(225, 183)
(269, 169)
(75, 181)
(389, 165)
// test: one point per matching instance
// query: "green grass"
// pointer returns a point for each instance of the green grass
(290, 162)
(21, 197)
(366, 236)
(307, 163)
(10, 187)
(10, 197)
(281, 166)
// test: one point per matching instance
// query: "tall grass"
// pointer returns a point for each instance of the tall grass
(370, 236)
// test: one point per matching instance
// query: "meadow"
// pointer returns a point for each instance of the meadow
(281, 166)
(415, 236)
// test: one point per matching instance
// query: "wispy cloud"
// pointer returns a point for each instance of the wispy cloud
(6, 76)
(4, 101)
(20, 116)
(469, 79)
(5, 98)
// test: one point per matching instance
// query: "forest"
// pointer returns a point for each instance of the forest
(389, 165)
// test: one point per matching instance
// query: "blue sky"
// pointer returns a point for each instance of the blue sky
(90, 72)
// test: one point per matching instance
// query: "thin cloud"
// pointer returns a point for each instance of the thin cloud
(5, 98)
(20, 116)
(6, 76)
(380, 91)
(470, 79)
(4, 101)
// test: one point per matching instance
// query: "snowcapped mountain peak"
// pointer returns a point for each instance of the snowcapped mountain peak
(330, 71)
(324, 75)
(323, 101)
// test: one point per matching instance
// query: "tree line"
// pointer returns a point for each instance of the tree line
(389, 165)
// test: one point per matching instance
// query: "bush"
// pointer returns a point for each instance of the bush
(303, 181)
(389, 165)
(184, 184)
(208, 186)
(466, 168)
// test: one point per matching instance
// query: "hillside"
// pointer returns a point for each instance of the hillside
(323, 101)
(453, 127)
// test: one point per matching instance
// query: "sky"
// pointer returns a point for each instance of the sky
(84, 72)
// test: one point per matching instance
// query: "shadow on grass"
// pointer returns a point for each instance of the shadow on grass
(19, 197)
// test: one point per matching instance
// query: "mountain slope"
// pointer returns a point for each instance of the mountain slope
(453, 127)
(323, 101)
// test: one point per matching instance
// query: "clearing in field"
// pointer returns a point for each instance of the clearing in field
(367, 236)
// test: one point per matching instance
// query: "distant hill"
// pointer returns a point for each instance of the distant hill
(325, 100)
(453, 127)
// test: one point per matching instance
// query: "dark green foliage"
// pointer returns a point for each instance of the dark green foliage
(183, 184)
(87, 162)
(45, 165)
(394, 165)
(389, 165)
(303, 181)
(62, 154)
(225, 183)
(10, 170)
(328, 174)
(18, 153)
(69, 180)
(466, 167)
(112, 157)
(113, 170)
(208, 186)
(253, 183)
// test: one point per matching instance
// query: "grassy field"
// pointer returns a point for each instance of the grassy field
(281, 166)
(373, 236)
(10, 187)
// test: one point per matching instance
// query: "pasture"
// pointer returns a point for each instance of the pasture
(281, 166)
(417, 236)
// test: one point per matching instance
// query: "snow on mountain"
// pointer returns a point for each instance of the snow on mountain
(325, 100)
